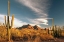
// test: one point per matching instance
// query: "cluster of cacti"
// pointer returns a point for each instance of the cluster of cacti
(53, 30)
(63, 27)
(56, 31)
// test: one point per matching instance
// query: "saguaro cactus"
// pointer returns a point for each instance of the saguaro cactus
(9, 26)
(59, 31)
(7, 23)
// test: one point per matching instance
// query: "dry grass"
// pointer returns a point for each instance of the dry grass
(31, 34)
(62, 34)
(25, 34)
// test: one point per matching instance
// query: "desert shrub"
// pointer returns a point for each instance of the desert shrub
(62, 34)
(15, 34)
(25, 38)
(43, 35)
(3, 32)
(37, 39)
(26, 34)
(46, 37)
(33, 37)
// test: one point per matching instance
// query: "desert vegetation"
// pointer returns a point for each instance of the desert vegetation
(30, 33)
(25, 34)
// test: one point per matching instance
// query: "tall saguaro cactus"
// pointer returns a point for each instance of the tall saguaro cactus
(7, 23)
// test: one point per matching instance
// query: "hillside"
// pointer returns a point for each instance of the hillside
(26, 33)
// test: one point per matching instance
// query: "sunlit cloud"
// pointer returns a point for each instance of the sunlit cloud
(35, 24)
(39, 21)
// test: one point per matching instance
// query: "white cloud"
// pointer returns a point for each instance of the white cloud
(38, 21)
(35, 24)
(40, 7)
(17, 22)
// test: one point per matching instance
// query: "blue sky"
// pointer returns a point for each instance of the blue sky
(34, 12)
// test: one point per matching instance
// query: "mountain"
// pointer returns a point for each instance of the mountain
(30, 27)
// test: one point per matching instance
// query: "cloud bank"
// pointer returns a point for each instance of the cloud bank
(40, 7)
(17, 22)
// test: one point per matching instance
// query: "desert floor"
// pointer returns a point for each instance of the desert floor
(55, 40)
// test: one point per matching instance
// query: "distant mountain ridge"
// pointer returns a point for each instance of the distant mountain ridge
(30, 27)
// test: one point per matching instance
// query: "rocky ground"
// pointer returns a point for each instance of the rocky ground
(55, 40)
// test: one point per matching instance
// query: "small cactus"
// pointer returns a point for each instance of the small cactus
(5, 20)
